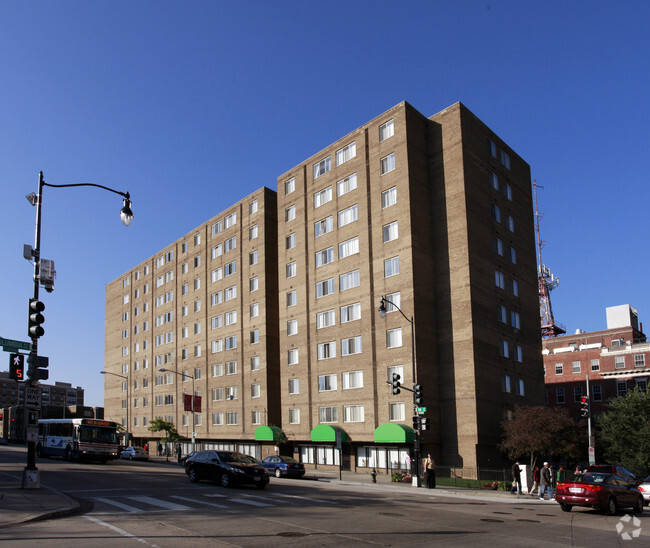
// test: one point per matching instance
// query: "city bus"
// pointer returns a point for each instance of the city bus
(77, 439)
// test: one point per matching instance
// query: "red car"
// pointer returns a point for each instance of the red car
(604, 491)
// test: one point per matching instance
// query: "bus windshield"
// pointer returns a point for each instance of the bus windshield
(97, 434)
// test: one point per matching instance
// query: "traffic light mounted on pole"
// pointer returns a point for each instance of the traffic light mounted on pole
(396, 384)
(584, 406)
(36, 319)
(417, 394)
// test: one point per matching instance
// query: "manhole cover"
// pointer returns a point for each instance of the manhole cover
(291, 534)
(504, 513)
(390, 514)
(477, 503)
(545, 515)
(529, 520)
(490, 520)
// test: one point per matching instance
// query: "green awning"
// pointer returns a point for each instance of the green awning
(391, 432)
(269, 433)
(325, 432)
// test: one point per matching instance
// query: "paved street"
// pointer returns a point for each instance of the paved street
(154, 504)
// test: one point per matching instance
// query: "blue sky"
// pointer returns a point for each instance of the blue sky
(191, 106)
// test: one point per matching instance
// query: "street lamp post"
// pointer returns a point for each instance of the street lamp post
(30, 473)
(128, 404)
(415, 466)
(184, 375)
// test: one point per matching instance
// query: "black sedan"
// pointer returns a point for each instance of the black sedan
(283, 466)
(604, 491)
(226, 467)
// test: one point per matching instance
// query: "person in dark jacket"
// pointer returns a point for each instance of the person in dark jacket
(516, 478)
(545, 483)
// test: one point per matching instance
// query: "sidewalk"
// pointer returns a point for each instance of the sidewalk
(19, 505)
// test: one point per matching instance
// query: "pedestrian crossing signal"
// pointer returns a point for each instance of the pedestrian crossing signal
(17, 367)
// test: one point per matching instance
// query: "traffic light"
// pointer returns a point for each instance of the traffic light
(424, 423)
(17, 367)
(396, 384)
(36, 318)
(416, 422)
(584, 406)
(417, 394)
(37, 369)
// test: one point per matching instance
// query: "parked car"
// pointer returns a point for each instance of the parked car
(3, 441)
(283, 466)
(183, 459)
(134, 453)
(226, 467)
(644, 487)
(604, 491)
(615, 469)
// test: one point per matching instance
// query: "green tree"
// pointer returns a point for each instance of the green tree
(538, 432)
(171, 434)
(624, 432)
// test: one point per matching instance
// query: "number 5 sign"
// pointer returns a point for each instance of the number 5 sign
(17, 367)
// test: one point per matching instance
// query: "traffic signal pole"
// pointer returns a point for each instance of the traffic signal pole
(592, 441)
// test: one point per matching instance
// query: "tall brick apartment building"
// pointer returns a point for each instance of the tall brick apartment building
(615, 360)
(435, 214)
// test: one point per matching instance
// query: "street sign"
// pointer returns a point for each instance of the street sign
(33, 397)
(421, 410)
(10, 345)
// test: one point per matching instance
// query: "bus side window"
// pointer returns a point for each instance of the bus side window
(41, 428)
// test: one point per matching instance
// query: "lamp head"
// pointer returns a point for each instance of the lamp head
(125, 213)
(382, 308)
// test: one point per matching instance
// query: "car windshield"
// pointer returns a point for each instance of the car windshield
(593, 479)
(236, 457)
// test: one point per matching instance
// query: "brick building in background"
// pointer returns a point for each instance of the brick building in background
(616, 360)
(433, 213)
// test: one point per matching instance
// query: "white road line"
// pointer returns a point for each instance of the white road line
(304, 498)
(126, 507)
(199, 501)
(118, 530)
(159, 503)
(214, 495)
(251, 502)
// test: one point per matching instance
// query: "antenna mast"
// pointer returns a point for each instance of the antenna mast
(546, 282)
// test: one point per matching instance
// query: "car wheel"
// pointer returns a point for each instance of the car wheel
(194, 477)
(611, 506)
(565, 507)
(225, 480)
(278, 473)
(638, 507)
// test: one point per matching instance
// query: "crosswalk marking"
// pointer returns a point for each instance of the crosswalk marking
(160, 503)
(251, 502)
(119, 505)
(311, 499)
(214, 495)
(199, 501)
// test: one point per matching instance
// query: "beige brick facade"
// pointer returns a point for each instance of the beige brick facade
(435, 214)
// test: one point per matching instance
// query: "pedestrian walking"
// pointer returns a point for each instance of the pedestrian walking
(179, 452)
(429, 466)
(536, 474)
(516, 479)
(160, 448)
(545, 482)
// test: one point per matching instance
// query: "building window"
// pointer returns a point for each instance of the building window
(252, 258)
(389, 197)
(325, 288)
(294, 386)
(231, 392)
(348, 215)
(504, 349)
(498, 246)
(507, 191)
(639, 360)
(349, 280)
(230, 220)
(292, 298)
(575, 367)
(517, 353)
(323, 226)
(597, 392)
(217, 419)
(346, 185)
(396, 412)
(387, 163)
(496, 213)
(326, 350)
(325, 319)
(595, 364)
(231, 342)
(350, 313)
(390, 232)
(216, 369)
(294, 416)
(351, 346)
(324, 256)
(510, 223)
(512, 255)
(290, 241)
(256, 417)
(322, 197)
(386, 130)
(505, 384)
(353, 413)
(391, 267)
(230, 293)
(559, 395)
(322, 167)
(292, 327)
(505, 159)
(254, 310)
(621, 388)
(293, 356)
(232, 418)
(492, 148)
(519, 387)
(216, 251)
(619, 362)
(255, 363)
(252, 207)
(327, 383)
(253, 284)
(291, 269)
(559, 369)
(289, 185)
(394, 338)
(255, 390)
(230, 244)
(352, 379)
(514, 287)
(328, 414)
(290, 213)
(502, 313)
(346, 153)
(255, 336)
